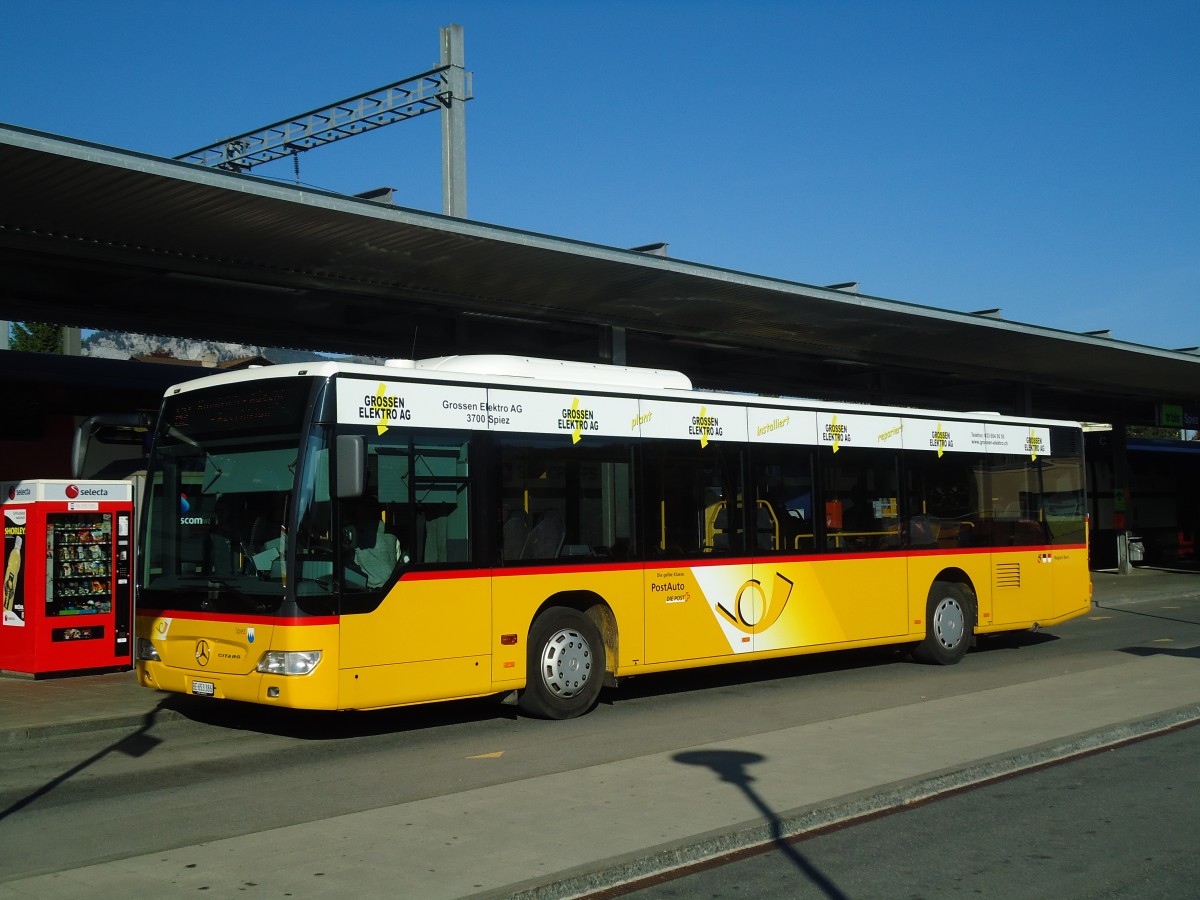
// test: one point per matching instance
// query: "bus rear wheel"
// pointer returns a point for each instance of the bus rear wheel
(565, 665)
(949, 623)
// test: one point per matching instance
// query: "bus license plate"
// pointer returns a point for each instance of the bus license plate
(204, 688)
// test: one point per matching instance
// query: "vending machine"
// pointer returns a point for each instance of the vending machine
(68, 590)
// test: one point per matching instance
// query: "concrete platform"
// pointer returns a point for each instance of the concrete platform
(566, 834)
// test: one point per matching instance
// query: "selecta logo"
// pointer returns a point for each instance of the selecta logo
(74, 491)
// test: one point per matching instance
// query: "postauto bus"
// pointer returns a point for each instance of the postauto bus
(341, 536)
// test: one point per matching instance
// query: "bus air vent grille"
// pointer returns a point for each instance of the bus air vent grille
(1008, 575)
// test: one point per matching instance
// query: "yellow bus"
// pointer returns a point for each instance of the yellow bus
(340, 536)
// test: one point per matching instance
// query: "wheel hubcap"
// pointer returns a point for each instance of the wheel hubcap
(949, 623)
(566, 663)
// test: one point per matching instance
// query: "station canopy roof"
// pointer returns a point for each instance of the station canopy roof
(105, 238)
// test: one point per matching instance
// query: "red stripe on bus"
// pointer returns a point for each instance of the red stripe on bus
(236, 619)
(558, 569)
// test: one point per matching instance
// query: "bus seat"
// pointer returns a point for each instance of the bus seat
(546, 537)
(718, 526)
(379, 560)
(222, 555)
(766, 526)
(923, 532)
(261, 532)
(514, 533)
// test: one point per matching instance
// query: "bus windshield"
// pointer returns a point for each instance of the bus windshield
(219, 498)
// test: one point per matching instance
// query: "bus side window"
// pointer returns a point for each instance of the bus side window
(441, 492)
(692, 499)
(413, 509)
(862, 507)
(944, 497)
(562, 502)
(1014, 488)
(783, 490)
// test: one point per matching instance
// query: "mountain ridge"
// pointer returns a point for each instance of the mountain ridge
(126, 345)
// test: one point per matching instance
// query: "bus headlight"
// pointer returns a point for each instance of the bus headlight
(146, 650)
(289, 662)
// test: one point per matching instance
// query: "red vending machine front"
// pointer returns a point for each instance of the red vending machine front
(68, 593)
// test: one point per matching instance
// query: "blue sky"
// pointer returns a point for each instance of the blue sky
(1041, 156)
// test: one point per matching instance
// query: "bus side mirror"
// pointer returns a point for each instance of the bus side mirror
(351, 465)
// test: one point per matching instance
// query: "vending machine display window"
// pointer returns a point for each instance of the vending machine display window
(78, 563)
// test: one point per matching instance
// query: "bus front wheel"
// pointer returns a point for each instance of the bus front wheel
(949, 623)
(566, 665)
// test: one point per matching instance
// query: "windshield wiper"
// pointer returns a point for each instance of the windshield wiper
(196, 445)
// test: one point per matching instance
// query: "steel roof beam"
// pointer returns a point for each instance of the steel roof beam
(428, 92)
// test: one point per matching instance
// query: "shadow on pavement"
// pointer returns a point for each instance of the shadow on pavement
(137, 744)
(310, 725)
(731, 767)
(1126, 611)
(1013, 640)
(325, 726)
(661, 684)
(1186, 653)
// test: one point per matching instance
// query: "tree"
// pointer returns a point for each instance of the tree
(36, 337)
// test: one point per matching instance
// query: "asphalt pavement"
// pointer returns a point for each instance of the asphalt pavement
(566, 834)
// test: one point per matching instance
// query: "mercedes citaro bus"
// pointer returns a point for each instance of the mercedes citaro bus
(341, 536)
